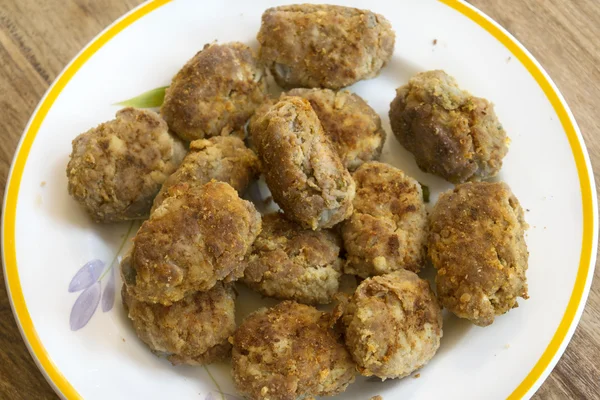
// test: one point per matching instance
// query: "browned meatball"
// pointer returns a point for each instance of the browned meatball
(116, 169)
(288, 262)
(325, 46)
(393, 325)
(388, 229)
(194, 330)
(301, 167)
(353, 127)
(198, 236)
(450, 132)
(215, 92)
(258, 114)
(222, 158)
(478, 247)
(289, 352)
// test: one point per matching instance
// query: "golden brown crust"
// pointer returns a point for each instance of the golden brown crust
(222, 158)
(291, 263)
(301, 167)
(450, 132)
(215, 92)
(117, 168)
(288, 352)
(253, 121)
(393, 325)
(353, 127)
(194, 330)
(388, 229)
(477, 245)
(199, 235)
(325, 46)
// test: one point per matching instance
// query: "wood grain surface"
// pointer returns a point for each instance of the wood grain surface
(39, 37)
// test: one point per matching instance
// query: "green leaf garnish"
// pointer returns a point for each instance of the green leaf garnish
(425, 189)
(149, 99)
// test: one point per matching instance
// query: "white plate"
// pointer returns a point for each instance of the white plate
(47, 237)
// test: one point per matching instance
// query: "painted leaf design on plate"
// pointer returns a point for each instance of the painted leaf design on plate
(108, 295)
(426, 192)
(86, 276)
(84, 307)
(149, 99)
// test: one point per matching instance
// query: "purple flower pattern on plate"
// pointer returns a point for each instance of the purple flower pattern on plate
(88, 279)
(108, 295)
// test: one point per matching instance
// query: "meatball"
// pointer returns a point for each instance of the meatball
(199, 235)
(393, 325)
(353, 127)
(117, 168)
(289, 352)
(194, 330)
(223, 158)
(258, 114)
(215, 93)
(450, 132)
(288, 262)
(477, 245)
(301, 167)
(325, 46)
(388, 229)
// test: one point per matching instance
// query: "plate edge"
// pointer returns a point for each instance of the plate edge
(587, 262)
(42, 359)
(465, 9)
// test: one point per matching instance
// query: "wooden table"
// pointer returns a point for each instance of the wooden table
(39, 37)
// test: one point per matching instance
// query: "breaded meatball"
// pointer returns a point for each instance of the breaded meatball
(194, 330)
(353, 127)
(388, 229)
(289, 352)
(199, 235)
(477, 245)
(393, 325)
(450, 132)
(291, 263)
(258, 114)
(324, 46)
(301, 167)
(215, 93)
(222, 158)
(117, 168)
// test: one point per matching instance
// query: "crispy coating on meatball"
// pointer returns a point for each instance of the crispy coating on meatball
(325, 46)
(388, 229)
(215, 92)
(222, 158)
(199, 235)
(291, 263)
(301, 167)
(393, 325)
(117, 168)
(289, 352)
(450, 132)
(258, 114)
(194, 330)
(353, 127)
(477, 245)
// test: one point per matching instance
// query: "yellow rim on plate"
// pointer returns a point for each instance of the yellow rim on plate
(10, 204)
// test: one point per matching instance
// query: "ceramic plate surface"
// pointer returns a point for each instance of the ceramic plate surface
(47, 238)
